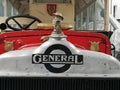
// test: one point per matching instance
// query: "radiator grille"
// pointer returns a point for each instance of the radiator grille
(31, 83)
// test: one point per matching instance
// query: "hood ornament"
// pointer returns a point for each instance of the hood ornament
(57, 32)
(57, 23)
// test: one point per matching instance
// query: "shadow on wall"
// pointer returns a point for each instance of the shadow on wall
(22, 6)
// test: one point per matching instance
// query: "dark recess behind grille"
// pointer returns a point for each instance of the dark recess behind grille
(35, 83)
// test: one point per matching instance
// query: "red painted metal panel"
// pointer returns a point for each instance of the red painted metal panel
(24, 39)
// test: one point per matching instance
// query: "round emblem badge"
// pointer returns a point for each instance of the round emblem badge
(63, 68)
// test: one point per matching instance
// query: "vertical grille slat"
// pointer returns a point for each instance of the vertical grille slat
(42, 83)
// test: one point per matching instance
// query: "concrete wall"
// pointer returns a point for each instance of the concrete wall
(115, 8)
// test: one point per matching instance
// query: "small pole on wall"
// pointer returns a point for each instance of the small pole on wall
(106, 15)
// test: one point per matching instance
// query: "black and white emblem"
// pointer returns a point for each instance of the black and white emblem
(57, 62)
